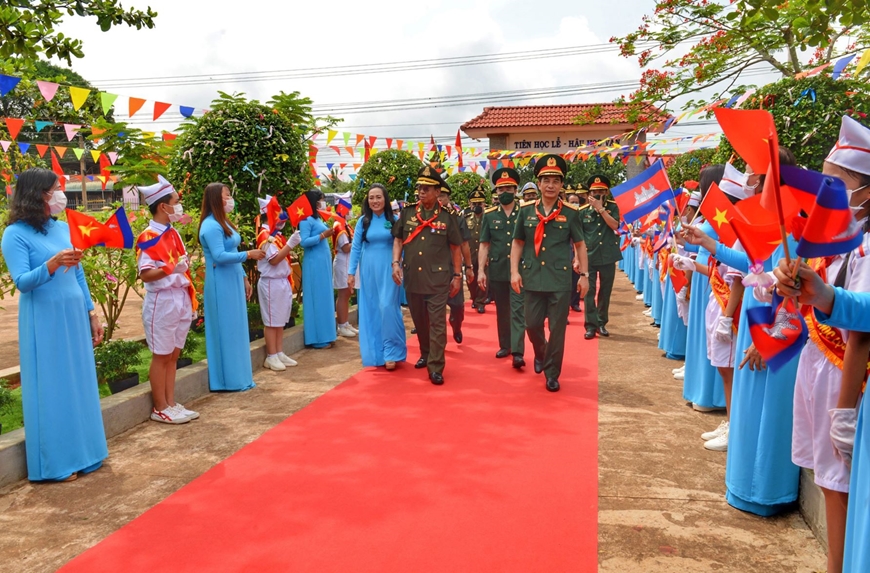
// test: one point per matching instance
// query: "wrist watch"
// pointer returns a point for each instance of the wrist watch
(585, 275)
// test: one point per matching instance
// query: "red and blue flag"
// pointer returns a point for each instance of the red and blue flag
(642, 194)
(85, 231)
(831, 228)
(165, 247)
(778, 331)
(343, 207)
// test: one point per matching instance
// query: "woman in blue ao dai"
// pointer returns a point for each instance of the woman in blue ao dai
(318, 302)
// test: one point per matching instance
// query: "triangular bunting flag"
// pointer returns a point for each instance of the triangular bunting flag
(47, 89)
(5, 145)
(389, 143)
(23, 147)
(14, 126)
(399, 144)
(70, 130)
(40, 125)
(78, 152)
(113, 156)
(41, 149)
(185, 110)
(78, 96)
(160, 108)
(330, 135)
(372, 139)
(342, 165)
(107, 100)
(60, 150)
(350, 150)
(135, 104)
(7, 84)
(96, 155)
(170, 136)
(859, 67)
(358, 139)
(346, 137)
(356, 166)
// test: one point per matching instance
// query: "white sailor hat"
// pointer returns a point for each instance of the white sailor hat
(733, 182)
(694, 199)
(852, 150)
(264, 203)
(154, 192)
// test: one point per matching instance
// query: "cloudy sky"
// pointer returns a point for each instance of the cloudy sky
(196, 46)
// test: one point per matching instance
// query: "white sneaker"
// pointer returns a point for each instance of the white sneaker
(353, 328)
(719, 444)
(286, 360)
(680, 375)
(180, 409)
(680, 369)
(273, 363)
(168, 416)
(647, 312)
(639, 297)
(723, 427)
(345, 331)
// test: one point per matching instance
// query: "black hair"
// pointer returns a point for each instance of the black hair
(314, 196)
(28, 201)
(165, 199)
(709, 175)
(367, 210)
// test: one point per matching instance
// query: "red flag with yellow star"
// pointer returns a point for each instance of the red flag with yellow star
(719, 211)
(85, 231)
(165, 247)
(299, 209)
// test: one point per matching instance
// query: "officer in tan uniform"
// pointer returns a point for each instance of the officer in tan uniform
(426, 257)
(547, 232)
(474, 220)
(456, 302)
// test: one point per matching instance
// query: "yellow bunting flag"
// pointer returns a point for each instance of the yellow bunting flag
(78, 96)
(862, 63)
(135, 105)
(96, 155)
(330, 135)
(107, 100)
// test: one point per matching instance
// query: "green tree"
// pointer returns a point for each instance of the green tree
(28, 28)
(461, 184)
(396, 170)
(141, 157)
(579, 172)
(254, 148)
(687, 167)
(808, 128)
(726, 37)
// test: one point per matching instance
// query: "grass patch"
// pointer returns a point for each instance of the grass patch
(12, 417)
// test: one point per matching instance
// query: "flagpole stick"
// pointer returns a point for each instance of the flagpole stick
(776, 194)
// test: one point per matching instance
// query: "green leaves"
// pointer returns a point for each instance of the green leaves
(394, 169)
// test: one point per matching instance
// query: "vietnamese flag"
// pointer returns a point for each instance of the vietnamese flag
(274, 214)
(300, 209)
(58, 170)
(778, 331)
(719, 212)
(85, 231)
(759, 241)
(165, 247)
(678, 278)
(831, 228)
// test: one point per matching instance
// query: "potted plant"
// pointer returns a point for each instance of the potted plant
(191, 343)
(115, 362)
(6, 398)
(255, 322)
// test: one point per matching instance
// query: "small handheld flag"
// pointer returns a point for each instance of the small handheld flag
(85, 231)
(165, 247)
(831, 228)
(719, 212)
(300, 209)
(343, 207)
(778, 331)
(642, 194)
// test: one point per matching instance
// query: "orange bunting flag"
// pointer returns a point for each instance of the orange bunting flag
(14, 126)
(358, 139)
(135, 105)
(61, 150)
(399, 144)
(160, 108)
(41, 149)
(300, 209)
(719, 212)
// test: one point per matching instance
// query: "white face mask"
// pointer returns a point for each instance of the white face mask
(57, 203)
(229, 205)
(177, 213)
(849, 192)
(321, 204)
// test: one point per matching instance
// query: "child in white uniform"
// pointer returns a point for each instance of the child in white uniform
(168, 308)
(340, 263)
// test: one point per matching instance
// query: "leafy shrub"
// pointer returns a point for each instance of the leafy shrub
(396, 170)
(115, 359)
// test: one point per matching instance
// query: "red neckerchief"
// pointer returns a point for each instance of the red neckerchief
(423, 222)
(542, 222)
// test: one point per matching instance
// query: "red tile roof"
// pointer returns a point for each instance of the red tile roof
(548, 115)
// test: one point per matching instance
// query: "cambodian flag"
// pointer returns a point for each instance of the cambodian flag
(642, 194)
(831, 228)
(778, 331)
(85, 231)
(343, 207)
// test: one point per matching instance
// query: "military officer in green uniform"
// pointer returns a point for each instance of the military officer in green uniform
(572, 196)
(546, 233)
(600, 221)
(456, 302)
(426, 257)
(494, 261)
(474, 220)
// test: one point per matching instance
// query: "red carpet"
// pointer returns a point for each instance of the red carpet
(387, 472)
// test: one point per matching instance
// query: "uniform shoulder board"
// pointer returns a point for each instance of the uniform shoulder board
(407, 205)
(586, 206)
(491, 209)
(527, 203)
(571, 206)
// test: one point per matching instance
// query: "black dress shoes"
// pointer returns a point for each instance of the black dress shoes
(457, 336)
(552, 385)
(414, 330)
(437, 379)
(603, 331)
(590, 334)
(539, 366)
(503, 353)
(518, 362)
(421, 363)
(576, 308)
(481, 309)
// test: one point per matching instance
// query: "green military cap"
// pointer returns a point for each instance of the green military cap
(477, 196)
(598, 183)
(550, 165)
(428, 176)
(505, 176)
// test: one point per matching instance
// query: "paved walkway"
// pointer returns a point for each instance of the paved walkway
(661, 504)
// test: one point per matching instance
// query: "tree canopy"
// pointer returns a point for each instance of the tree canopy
(461, 184)
(396, 170)
(727, 37)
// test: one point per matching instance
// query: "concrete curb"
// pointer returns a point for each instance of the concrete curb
(132, 407)
(811, 501)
